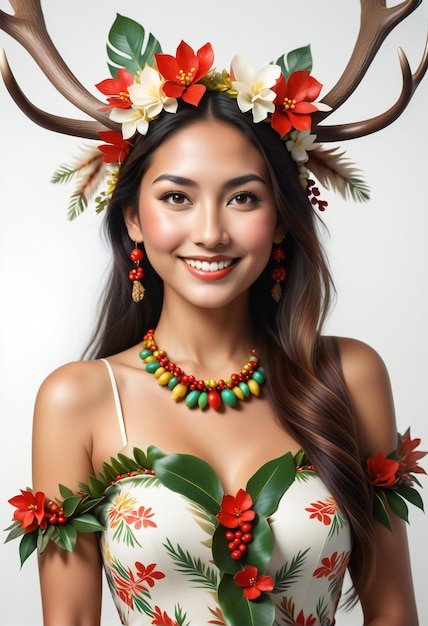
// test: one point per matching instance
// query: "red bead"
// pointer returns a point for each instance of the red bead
(214, 400)
(136, 255)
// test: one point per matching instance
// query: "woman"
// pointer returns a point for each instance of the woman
(213, 209)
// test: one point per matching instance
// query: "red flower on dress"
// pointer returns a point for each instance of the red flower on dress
(409, 458)
(141, 518)
(302, 621)
(293, 102)
(117, 90)
(333, 567)
(162, 619)
(235, 510)
(128, 587)
(148, 573)
(323, 511)
(30, 509)
(252, 583)
(116, 147)
(382, 471)
(183, 71)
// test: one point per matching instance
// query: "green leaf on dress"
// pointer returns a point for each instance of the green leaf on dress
(237, 609)
(270, 482)
(192, 477)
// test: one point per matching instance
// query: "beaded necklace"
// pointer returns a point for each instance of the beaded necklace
(198, 392)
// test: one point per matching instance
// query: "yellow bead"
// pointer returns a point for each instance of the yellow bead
(156, 352)
(164, 378)
(149, 359)
(179, 392)
(212, 384)
(254, 387)
(159, 372)
(238, 393)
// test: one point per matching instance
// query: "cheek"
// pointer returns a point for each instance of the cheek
(159, 230)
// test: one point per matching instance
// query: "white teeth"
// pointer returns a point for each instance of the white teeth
(205, 266)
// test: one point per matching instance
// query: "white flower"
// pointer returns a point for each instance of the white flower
(132, 120)
(148, 94)
(253, 88)
(299, 143)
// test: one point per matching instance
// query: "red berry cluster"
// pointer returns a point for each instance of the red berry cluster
(313, 194)
(131, 474)
(238, 540)
(136, 256)
(54, 513)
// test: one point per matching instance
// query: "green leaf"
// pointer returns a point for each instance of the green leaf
(221, 553)
(70, 505)
(96, 487)
(238, 610)
(63, 174)
(76, 205)
(87, 504)
(299, 59)
(129, 464)
(126, 48)
(27, 545)
(68, 536)
(198, 573)
(87, 523)
(358, 189)
(44, 537)
(270, 482)
(153, 453)
(140, 458)
(379, 509)
(397, 505)
(411, 495)
(65, 491)
(192, 477)
(15, 531)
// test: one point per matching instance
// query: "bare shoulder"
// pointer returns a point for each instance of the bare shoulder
(368, 383)
(74, 387)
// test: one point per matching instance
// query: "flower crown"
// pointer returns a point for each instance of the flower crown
(145, 82)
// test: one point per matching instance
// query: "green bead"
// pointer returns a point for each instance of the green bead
(258, 377)
(254, 359)
(192, 398)
(145, 353)
(152, 367)
(262, 370)
(203, 400)
(245, 390)
(172, 382)
(228, 397)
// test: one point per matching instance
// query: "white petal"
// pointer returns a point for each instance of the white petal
(142, 126)
(242, 69)
(267, 75)
(128, 129)
(170, 105)
(321, 106)
(261, 110)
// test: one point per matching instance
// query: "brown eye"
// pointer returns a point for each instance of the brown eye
(175, 198)
(245, 198)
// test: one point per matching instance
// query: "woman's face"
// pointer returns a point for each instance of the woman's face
(206, 214)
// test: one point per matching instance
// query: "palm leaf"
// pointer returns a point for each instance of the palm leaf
(288, 573)
(336, 172)
(203, 576)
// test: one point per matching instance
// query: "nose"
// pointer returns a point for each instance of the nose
(209, 228)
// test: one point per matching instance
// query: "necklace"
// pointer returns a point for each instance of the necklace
(198, 392)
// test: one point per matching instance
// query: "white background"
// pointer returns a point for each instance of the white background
(52, 270)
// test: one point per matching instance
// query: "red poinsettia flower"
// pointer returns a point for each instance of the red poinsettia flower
(183, 71)
(148, 574)
(235, 510)
(117, 90)
(116, 147)
(293, 102)
(252, 583)
(30, 510)
(382, 471)
(409, 458)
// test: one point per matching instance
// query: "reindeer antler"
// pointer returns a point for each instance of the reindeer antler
(377, 21)
(27, 26)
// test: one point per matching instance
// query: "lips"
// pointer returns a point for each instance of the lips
(209, 269)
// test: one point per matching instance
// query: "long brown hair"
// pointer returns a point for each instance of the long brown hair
(305, 383)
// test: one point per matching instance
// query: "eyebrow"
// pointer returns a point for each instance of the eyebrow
(233, 182)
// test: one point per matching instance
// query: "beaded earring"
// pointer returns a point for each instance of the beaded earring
(279, 273)
(136, 274)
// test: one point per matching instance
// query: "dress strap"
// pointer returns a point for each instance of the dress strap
(117, 403)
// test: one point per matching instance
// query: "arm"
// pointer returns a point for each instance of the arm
(389, 600)
(62, 438)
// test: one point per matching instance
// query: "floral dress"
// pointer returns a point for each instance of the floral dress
(157, 548)
(158, 559)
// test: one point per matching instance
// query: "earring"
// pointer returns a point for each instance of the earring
(279, 273)
(136, 274)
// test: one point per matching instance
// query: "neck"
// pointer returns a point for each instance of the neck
(204, 335)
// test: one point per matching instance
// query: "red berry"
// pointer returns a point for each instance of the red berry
(53, 507)
(229, 535)
(242, 547)
(62, 520)
(236, 554)
(231, 546)
(247, 537)
(246, 527)
(53, 519)
(238, 534)
(136, 255)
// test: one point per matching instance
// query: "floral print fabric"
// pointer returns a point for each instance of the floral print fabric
(158, 561)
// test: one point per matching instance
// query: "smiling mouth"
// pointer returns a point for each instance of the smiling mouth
(209, 266)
